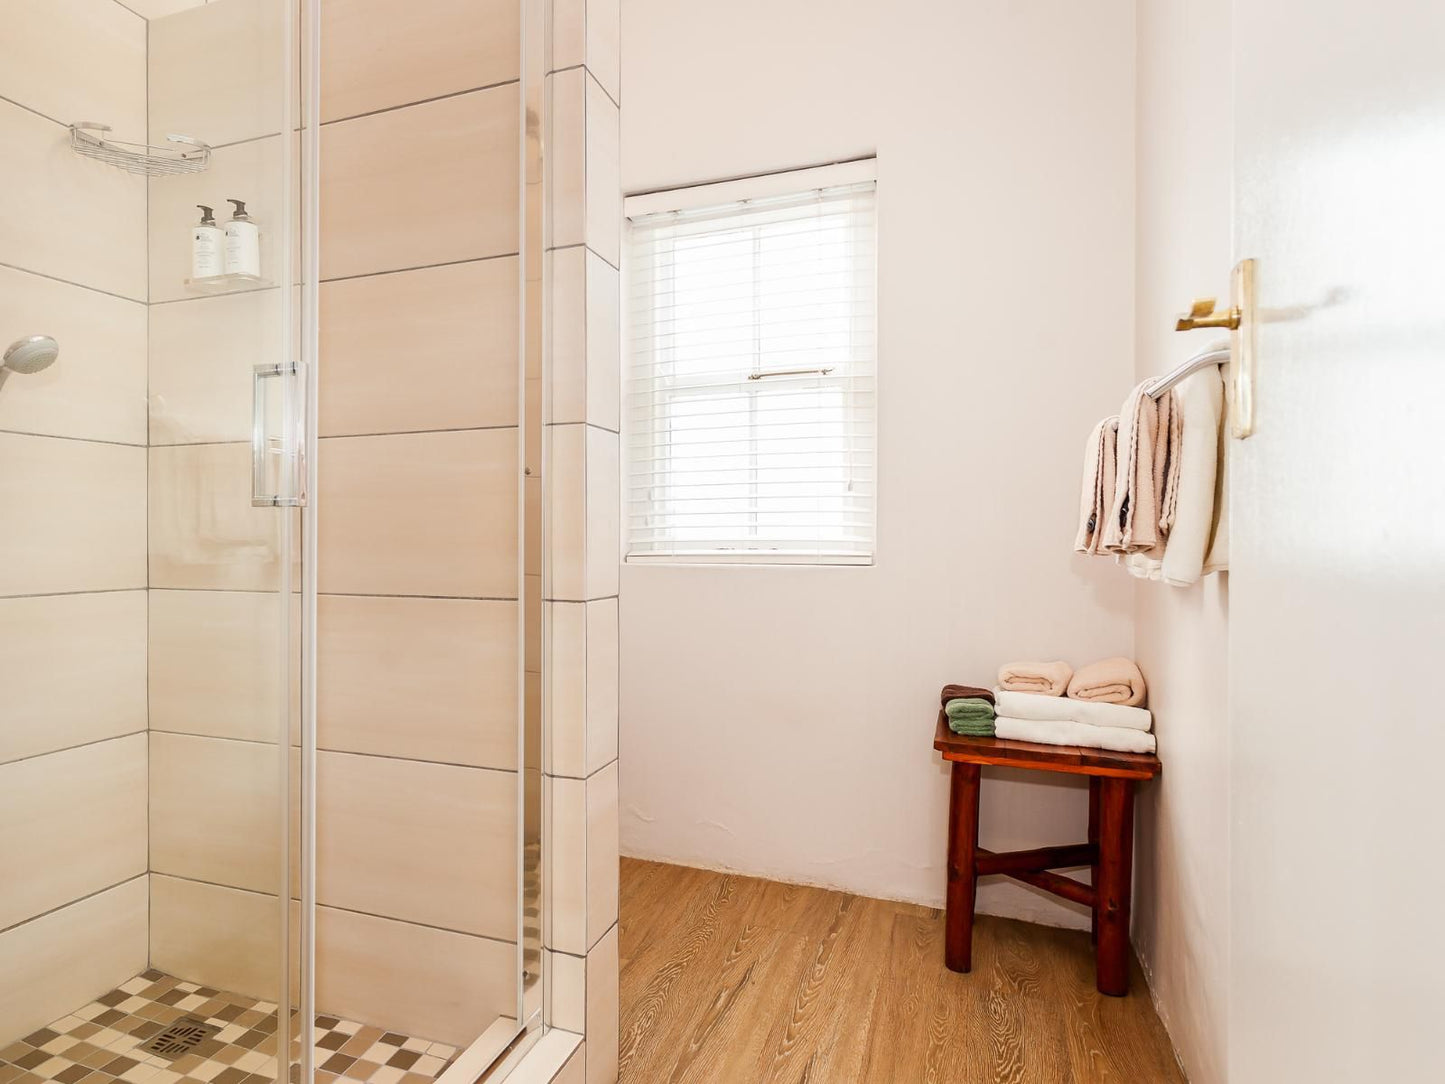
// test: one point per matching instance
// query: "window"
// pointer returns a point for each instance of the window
(751, 402)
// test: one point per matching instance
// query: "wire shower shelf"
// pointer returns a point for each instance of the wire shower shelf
(189, 155)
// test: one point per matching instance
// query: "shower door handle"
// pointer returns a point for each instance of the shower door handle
(278, 436)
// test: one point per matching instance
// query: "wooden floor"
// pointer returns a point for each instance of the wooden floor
(735, 980)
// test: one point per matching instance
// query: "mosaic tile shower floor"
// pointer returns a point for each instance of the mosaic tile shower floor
(102, 1043)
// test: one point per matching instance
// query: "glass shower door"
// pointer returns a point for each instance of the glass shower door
(148, 756)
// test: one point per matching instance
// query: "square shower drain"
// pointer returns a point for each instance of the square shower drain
(180, 1038)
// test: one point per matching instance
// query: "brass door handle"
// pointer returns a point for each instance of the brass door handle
(1203, 314)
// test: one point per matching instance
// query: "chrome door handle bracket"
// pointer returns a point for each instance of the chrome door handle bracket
(285, 450)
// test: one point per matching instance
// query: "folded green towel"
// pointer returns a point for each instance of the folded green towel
(969, 709)
(972, 730)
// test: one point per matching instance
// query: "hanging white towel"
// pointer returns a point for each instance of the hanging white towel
(1118, 739)
(1195, 509)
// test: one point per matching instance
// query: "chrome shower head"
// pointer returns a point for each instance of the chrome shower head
(31, 354)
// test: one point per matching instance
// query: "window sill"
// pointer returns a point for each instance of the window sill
(764, 560)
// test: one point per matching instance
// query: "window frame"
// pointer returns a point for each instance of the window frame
(783, 183)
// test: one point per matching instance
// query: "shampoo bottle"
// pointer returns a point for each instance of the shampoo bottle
(243, 243)
(206, 244)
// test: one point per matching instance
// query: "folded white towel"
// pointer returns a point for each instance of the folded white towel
(1115, 738)
(1060, 709)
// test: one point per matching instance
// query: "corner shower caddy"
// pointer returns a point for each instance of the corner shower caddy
(189, 156)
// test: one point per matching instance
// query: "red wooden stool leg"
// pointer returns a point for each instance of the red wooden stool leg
(1116, 859)
(1094, 869)
(962, 867)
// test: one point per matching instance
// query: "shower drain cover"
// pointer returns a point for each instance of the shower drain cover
(180, 1038)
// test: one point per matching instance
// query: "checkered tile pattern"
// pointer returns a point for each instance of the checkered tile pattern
(102, 1042)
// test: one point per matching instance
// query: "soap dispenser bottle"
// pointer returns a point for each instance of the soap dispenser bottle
(207, 242)
(243, 243)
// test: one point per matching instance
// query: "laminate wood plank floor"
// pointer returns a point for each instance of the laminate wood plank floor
(736, 980)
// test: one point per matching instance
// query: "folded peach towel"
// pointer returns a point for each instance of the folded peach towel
(1046, 678)
(1114, 681)
(1097, 494)
(1140, 514)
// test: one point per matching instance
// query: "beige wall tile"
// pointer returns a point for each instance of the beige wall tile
(567, 498)
(73, 670)
(69, 957)
(602, 683)
(214, 811)
(583, 683)
(567, 686)
(586, 339)
(586, 166)
(428, 184)
(214, 666)
(604, 343)
(414, 350)
(604, 514)
(83, 510)
(602, 1010)
(429, 843)
(602, 852)
(586, 519)
(565, 914)
(204, 533)
(96, 388)
(567, 991)
(221, 937)
(104, 51)
(420, 514)
(604, 175)
(248, 171)
(432, 983)
(202, 353)
(451, 46)
(71, 824)
(430, 679)
(217, 73)
(159, 9)
(51, 192)
(569, 157)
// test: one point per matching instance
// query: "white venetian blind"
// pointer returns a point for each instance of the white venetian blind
(751, 402)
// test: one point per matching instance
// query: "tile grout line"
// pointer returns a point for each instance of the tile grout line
(71, 903)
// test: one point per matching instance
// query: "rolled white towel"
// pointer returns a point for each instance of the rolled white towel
(1115, 738)
(1058, 709)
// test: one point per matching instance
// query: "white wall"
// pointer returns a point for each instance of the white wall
(778, 720)
(1181, 916)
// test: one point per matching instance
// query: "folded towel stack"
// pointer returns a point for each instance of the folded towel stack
(1047, 678)
(1101, 711)
(970, 715)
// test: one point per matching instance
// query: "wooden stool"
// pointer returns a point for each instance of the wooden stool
(1109, 852)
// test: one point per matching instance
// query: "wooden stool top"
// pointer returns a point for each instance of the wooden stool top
(1076, 759)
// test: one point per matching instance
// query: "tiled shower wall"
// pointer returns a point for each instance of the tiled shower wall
(72, 501)
(582, 782)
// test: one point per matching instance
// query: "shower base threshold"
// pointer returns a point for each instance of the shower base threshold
(105, 1042)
